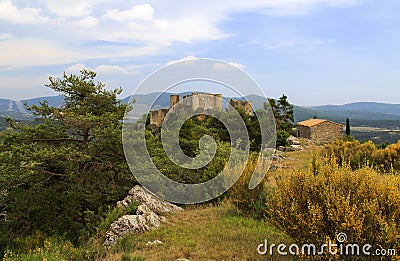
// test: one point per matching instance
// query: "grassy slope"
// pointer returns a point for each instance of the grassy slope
(202, 233)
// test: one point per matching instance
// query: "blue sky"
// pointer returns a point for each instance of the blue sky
(314, 51)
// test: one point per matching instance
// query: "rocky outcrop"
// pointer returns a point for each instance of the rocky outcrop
(140, 195)
(292, 140)
(148, 215)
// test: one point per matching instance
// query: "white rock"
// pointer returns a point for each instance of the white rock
(147, 215)
(154, 243)
(292, 140)
(142, 196)
(297, 147)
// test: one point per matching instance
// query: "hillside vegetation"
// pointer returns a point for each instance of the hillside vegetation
(61, 177)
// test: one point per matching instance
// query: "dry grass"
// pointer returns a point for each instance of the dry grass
(298, 159)
(202, 233)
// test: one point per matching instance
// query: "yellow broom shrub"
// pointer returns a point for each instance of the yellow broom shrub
(313, 206)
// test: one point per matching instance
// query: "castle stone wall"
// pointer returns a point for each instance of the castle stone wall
(245, 106)
(157, 117)
(204, 101)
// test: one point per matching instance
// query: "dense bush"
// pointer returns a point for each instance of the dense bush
(315, 205)
(359, 154)
(60, 174)
(250, 202)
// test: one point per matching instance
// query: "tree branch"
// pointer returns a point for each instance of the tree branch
(52, 173)
(55, 139)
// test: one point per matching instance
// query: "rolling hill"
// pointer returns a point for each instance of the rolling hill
(370, 114)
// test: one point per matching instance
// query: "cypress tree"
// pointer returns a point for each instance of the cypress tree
(347, 127)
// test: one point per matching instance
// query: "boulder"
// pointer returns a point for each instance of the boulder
(142, 196)
(292, 140)
(282, 148)
(274, 167)
(148, 215)
(125, 225)
(296, 147)
(278, 157)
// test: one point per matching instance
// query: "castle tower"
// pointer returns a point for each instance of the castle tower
(218, 101)
(173, 99)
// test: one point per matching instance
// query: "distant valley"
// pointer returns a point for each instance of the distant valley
(382, 117)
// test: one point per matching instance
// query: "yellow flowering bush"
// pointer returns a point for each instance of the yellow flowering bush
(359, 154)
(313, 206)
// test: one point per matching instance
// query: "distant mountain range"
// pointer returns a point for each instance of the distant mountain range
(360, 113)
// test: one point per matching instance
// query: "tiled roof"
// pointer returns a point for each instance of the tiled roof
(311, 122)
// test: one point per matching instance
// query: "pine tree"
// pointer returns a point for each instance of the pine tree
(62, 172)
(283, 113)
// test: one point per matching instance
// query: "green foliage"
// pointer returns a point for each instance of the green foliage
(190, 133)
(53, 249)
(282, 137)
(313, 208)
(60, 174)
(190, 148)
(250, 202)
(283, 113)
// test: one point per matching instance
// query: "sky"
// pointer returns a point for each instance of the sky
(314, 51)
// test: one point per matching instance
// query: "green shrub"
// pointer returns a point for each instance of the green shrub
(248, 201)
(282, 137)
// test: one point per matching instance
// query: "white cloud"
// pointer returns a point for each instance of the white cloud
(75, 68)
(87, 22)
(269, 7)
(30, 52)
(69, 8)
(139, 30)
(165, 32)
(297, 42)
(5, 36)
(193, 28)
(103, 69)
(218, 66)
(114, 69)
(24, 86)
(137, 12)
(238, 65)
(11, 13)
(19, 53)
(186, 58)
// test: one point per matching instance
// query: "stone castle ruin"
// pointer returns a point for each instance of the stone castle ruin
(203, 101)
(245, 106)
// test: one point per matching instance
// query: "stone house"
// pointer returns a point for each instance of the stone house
(319, 130)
